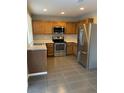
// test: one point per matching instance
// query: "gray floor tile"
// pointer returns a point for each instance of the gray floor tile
(93, 82)
(70, 73)
(61, 88)
(79, 85)
(75, 78)
(84, 90)
(65, 75)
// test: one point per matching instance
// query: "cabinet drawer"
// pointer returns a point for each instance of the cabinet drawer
(49, 44)
(50, 49)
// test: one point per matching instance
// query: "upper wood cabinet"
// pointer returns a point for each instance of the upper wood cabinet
(70, 28)
(59, 24)
(38, 27)
(42, 27)
(46, 27)
(86, 21)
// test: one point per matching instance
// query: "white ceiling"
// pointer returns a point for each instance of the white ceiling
(54, 7)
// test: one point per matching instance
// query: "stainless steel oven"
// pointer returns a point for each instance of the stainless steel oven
(59, 49)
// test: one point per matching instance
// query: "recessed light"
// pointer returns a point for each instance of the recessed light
(81, 8)
(62, 13)
(44, 10)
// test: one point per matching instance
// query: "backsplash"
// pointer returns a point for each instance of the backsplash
(70, 37)
(49, 37)
(43, 37)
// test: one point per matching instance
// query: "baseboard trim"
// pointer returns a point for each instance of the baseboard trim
(36, 74)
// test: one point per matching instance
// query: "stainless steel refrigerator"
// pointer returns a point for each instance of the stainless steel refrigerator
(87, 46)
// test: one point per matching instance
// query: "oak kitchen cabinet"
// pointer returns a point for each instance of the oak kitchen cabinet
(70, 28)
(46, 27)
(37, 61)
(59, 24)
(75, 49)
(50, 49)
(38, 27)
(69, 48)
(86, 21)
(42, 27)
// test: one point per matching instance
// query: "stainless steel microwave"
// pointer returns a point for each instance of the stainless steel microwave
(58, 29)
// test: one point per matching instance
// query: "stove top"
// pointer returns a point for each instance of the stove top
(58, 41)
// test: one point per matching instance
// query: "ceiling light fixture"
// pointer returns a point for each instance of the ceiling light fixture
(44, 10)
(62, 13)
(81, 8)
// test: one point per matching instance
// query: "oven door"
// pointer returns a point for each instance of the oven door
(59, 49)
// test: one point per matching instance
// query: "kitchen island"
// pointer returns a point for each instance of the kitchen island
(37, 59)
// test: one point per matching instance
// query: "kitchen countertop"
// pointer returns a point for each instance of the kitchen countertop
(69, 40)
(41, 44)
(37, 47)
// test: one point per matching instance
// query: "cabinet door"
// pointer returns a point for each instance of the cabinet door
(59, 24)
(69, 48)
(50, 49)
(70, 28)
(42, 27)
(47, 28)
(38, 27)
(75, 49)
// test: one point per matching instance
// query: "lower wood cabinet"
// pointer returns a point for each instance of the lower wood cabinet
(75, 49)
(71, 48)
(37, 61)
(50, 49)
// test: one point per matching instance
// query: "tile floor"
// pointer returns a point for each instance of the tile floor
(65, 75)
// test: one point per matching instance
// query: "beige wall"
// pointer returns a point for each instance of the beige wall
(49, 37)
